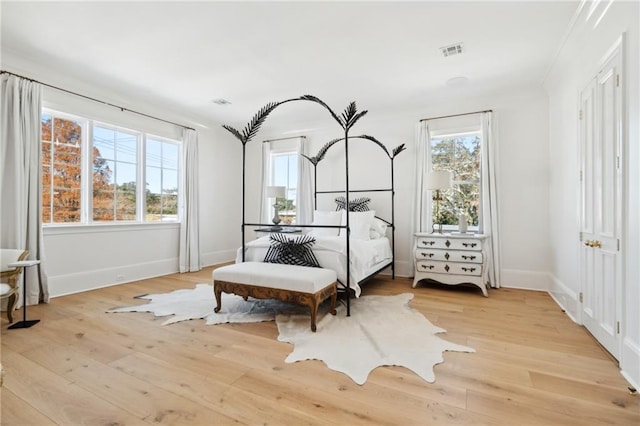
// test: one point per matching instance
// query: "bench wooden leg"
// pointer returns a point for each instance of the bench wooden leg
(313, 307)
(334, 299)
(218, 292)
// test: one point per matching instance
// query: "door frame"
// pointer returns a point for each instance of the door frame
(621, 212)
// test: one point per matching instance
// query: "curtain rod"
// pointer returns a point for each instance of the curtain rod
(456, 115)
(284, 139)
(97, 100)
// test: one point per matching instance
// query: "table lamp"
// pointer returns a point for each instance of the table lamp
(276, 192)
(437, 181)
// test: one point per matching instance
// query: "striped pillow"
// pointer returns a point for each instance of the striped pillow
(291, 251)
(356, 205)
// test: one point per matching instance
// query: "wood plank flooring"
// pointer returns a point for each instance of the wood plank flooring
(81, 366)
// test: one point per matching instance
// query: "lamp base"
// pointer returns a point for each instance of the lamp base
(276, 215)
(24, 324)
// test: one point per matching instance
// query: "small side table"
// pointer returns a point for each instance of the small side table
(277, 230)
(25, 264)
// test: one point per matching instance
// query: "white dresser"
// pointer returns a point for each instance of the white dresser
(451, 259)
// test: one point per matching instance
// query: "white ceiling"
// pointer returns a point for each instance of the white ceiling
(179, 56)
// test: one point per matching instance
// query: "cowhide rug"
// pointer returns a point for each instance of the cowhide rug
(382, 330)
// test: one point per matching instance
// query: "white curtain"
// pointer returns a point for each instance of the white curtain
(304, 202)
(490, 220)
(265, 208)
(20, 182)
(420, 218)
(189, 257)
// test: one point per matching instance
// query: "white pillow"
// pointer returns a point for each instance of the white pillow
(378, 228)
(327, 218)
(359, 222)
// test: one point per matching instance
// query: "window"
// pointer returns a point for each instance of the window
(161, 161)
(115, 159)
(460, 154)
(284, 172)
(61, 169)
(90, 173)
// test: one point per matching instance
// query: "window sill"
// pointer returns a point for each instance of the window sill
(66, 229)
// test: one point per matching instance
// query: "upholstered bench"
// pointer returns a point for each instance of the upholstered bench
(289, 283)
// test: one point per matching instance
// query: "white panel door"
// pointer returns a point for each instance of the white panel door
(600, 137)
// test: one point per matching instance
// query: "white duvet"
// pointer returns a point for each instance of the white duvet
(366, 256)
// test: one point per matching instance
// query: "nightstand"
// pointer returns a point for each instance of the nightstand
(451, 259)
(261, 232)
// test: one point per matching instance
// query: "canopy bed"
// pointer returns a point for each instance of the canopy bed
(343, 241)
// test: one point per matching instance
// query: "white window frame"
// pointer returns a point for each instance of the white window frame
(84, 125)
(453, 132)
(86, 179)
(284, 150)
(143, 171)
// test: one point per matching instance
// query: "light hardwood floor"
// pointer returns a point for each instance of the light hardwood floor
(81, 366)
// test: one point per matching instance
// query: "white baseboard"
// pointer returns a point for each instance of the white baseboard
(566, 298)
(630, 362)
(403, 269)
(218, 257)
(525, 280)
(62, 285)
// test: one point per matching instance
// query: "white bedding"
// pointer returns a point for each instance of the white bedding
(366, 256)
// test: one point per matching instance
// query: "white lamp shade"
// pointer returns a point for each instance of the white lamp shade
(276, 191)
(439, 179)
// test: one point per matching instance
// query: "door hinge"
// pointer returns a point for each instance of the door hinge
(581, 297)
(618, 244)
(618, 80)
(580, 175)
(618, 326)
(580, 236)
(580, 115)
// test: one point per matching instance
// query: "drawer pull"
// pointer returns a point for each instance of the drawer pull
(427, 267)
(428, 243)
(469, 244)
(468, 257)
(468, 269)
(426, 254)
(446, 256)
(446, 268)
(447, 243)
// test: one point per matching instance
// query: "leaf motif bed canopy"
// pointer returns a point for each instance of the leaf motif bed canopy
(346, 120)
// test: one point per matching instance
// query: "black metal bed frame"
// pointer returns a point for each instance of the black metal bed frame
(346, 120)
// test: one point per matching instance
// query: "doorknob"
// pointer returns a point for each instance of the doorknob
(596, 244)
(588, 243)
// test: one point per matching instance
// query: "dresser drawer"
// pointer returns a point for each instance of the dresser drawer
(449, 255)
(456, 268)
(449, 243)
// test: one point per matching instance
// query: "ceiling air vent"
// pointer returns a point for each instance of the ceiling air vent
(454, 49)
(221, 101)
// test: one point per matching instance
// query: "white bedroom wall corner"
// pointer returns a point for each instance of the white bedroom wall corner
(566, 298)
(403, 269)
(219, 256)
(525, 280)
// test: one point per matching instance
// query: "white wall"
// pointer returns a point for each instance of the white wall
(220, 194)
(522, 120)
(575, 66)
(80, 257)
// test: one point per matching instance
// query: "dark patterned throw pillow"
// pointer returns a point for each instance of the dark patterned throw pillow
(355, 205)
(291, 251)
